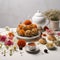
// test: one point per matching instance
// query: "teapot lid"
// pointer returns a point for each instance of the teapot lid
(38, 14)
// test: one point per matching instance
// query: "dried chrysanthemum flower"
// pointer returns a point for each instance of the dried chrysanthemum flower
(52, 14)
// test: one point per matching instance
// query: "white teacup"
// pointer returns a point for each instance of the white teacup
(31, 46)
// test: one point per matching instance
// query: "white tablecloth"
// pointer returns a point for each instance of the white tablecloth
(52, 55)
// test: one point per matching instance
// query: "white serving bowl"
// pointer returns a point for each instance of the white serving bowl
(27, 38)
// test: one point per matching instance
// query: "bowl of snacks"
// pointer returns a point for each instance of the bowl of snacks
(27, 30)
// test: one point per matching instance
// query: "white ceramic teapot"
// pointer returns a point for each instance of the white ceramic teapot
(39, 19)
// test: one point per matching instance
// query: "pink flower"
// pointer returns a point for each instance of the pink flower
(0, 37)
(58, 34)
(9, 42)
(3, 38)
(50, 31)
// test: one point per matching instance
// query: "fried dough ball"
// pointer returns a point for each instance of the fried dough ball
(11, 34)
(21, 32)
(31, 26)
(27, 22)
(28, 27)
(34, 31)
(34, 25)
(28, 33)
(21, 26)
(52, 38)
(24, 27)
(42, 41)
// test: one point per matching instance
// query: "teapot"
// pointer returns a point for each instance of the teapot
(39, 19)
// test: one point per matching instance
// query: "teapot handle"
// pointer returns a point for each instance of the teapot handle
(47, 22)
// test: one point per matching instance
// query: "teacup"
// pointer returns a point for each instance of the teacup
(31, 46)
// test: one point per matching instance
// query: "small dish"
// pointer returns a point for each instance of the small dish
(51, 46)
(37, 50)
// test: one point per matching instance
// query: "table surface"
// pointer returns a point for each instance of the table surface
(52, 55)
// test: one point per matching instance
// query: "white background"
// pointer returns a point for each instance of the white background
(14, 11)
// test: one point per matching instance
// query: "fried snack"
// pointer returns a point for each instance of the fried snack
(28, 33)
(52, 38)
(34, 25)
(27, 22)
(42, 41)
(34, 31)
(22, 26)
(28, 27)
(21, 32)
(11, 34)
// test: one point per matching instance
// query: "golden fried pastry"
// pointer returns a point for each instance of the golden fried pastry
(33, 25)
(42, 41)
(27, 22)
(28, 33)
(34, 31)
(51, 38)
(22, 26)
(21, 32)
(28, 27)
(11, 34)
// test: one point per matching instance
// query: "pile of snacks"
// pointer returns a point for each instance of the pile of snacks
(27, 29)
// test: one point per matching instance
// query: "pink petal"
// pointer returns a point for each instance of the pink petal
(58, 34)
(3, 38)
(9, 43)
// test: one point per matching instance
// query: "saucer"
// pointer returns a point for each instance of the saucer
(37, 50)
